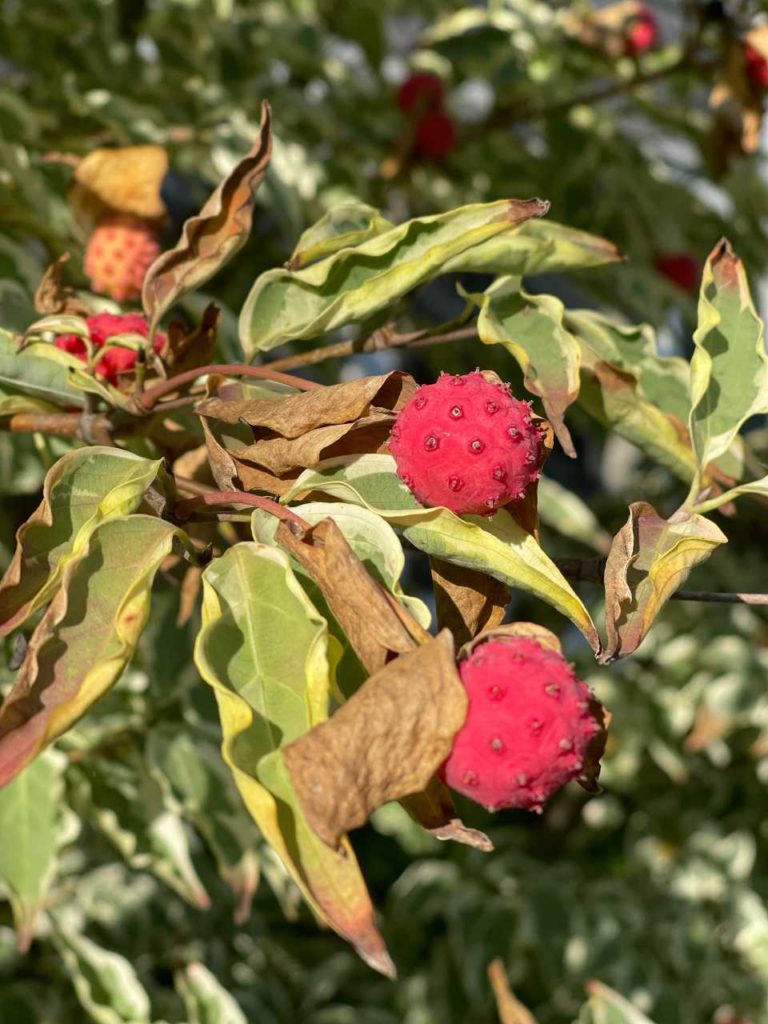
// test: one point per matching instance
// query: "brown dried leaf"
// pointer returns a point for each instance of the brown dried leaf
(211, 238)
(511, 1010)
(54, 297)
(467, 601)
(734, 96)
(604, 28)
(373, 625)
(650, 558)
(119, 180)
(294, 415)
(433, 809)
(186, 350)
(386, 742)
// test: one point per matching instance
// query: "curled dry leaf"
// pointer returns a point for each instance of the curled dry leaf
(184, 350)
(433, 809)
(371, 623)
(53, 297)
(734, 98)
(650, 558)
(385, 743)
(511, 1010)
(467, 601)
(210, 239)
(123, 180)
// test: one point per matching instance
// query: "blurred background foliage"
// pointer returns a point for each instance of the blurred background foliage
(162, 904)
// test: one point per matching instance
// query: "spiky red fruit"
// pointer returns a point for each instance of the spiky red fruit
(116, 360)
(118, 256)
(757, 68)
(681, 269)
(420, 92)
(528, 725)
(435, 135)
(465, 443)
(643, 33)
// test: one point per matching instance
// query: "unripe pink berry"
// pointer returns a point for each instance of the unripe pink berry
(118, 255)
(643, 33)
(466, 444)
(116, 360)
(528, 726)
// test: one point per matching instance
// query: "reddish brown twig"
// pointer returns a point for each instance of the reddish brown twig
(187, 506)
(146, 400)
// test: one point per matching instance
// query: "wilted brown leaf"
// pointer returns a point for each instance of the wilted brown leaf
(374, 625)
(467, 601)
(734, 96)
(650, 558)
(386, 742)
(55, 297)
(211, 238)
(511, 1010)
(433, 809)
(123, 180)
(185, 350)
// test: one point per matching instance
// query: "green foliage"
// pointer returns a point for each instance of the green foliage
(159, 862)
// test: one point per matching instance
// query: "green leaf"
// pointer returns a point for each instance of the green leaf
(343, 226)
(204, 787)
(729, 367)
(263, 648)
(86, 637)
(84, 488)
(758, 488)
(498, 546)
(607, 1007)
(354, 283)
(41, 371)
(564, 511)
(531, 328)
(122, 800)
(29, 814)
(205, 998)
(105, 983)
(535, 247)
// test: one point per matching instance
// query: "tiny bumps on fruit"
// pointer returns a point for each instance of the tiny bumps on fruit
(118, 255)
(117, 359)
(528, 727)
(465, 443)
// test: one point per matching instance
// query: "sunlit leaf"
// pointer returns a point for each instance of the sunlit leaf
(205, 998)
(343, 226)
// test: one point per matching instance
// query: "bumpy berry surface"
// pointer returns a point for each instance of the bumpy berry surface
(116, 359)
(435, 135)
(643, 33)
(527, 729)
(467, 444)
(757, 68)
(420, 92)
(118, 256)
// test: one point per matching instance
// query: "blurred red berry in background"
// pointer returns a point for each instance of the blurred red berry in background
(643, 33)
(757, 68)
(681, 269)
(421, 93)
(435, 135)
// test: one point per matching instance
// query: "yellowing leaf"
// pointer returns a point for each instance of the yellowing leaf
(119, 180)
(86, 637)
(83, 489)
(263, 649)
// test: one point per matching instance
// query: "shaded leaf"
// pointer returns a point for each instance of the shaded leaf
(369, 620)
(433, 809)
(186, 349)
(84, 488)
(205, 998)
(106, 984)
(729, 367)
(605, 1006)
(53, 296)
(385, 742)
(86, 637)
(564, 511)
(29, 812)
(467, 601)
(649, 560)
(343, 226)
(210, 239)
(354, 283)
(40, 371)
(531, 328)
(499, 546)
(269, 692)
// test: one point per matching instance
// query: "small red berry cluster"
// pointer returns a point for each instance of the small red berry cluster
(420, 97)
(116, 360)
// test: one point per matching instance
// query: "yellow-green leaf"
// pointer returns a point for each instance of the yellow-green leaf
(342, 227)
(263, 649)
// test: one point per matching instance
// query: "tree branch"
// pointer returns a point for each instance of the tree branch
(145, 401)
(187, 506)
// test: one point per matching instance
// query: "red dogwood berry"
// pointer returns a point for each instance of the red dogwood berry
(116, 359)
(467, 444)
(643, 33)
(118, 255)
(681, 269)
(528, 725)
(420, 92)
(757, 68)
